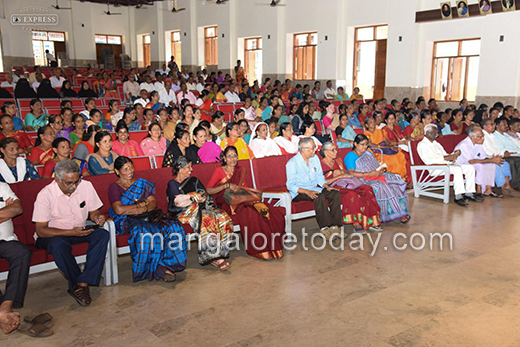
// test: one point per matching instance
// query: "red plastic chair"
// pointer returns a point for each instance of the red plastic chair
(142, 163)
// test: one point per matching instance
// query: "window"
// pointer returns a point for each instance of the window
(211, 46)
(147, 53)
(106, 44)
(455, 70)
(47, 40)
(253, 59)
(107, 39)
(370, 60)
(305, 45)
(176, 47)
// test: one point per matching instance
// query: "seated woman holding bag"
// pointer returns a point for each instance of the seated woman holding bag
(190, 203)
(134, 210)
(253, 216)
(360, 207)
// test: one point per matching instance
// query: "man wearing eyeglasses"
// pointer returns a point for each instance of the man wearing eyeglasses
(305, 182)
(61, 211)
(487, 169)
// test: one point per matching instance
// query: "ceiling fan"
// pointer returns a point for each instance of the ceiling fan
(57, 7)
(175, 8)
(274, 3)
(108, 13)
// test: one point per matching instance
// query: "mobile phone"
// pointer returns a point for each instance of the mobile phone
(90, 227)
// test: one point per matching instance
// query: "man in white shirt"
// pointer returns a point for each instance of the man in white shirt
(147, 84)
(39, 77)
(17, 75)
(32, 75)
(167, 95)
(131, 87)
(503, 139)
(200, 86)
(432, 153)
(176, 86)
(17, 255)
(163, 71)
(185, 73)
(9, 82)
(514, 130)
(329, 93)
(231, 95)
(57, 80)
(191, 84)
(143, 100)
(159, 84)
(51, 61)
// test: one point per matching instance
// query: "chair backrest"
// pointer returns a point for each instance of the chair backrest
(415, 159)
(449, 142)
(342, 153)
(39, 168)
(158, 160)
(51, 103)
(359, 131)
(334, 137)
(138, 136)
(319, 127)
(275, 177)
(226, 108)
(142, 163)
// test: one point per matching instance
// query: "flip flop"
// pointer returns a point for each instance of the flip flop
(360, 231)
(493, 195)
(166, 277)
(37, 330)
(406, 220)
(43, 318)
(221, 266)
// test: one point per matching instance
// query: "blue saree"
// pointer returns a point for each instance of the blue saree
(151, 255)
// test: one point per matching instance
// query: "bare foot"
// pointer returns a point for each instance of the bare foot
(9, 321)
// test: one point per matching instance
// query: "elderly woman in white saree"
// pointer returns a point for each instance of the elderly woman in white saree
(261, 143)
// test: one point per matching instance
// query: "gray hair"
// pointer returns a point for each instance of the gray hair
(473, 129)
(66, 166)
(326, 146)
(429, 127)
(303, 142)
(178, 164)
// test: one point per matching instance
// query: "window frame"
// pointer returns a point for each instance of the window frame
(296, 46)
(211, 55)
(106, 39)
(177, 55)
(466, 57)
(47, 33)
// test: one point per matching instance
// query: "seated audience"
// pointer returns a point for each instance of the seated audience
(360, 207)
(390, 189)
(180, 147)
(207, 150)
(130, 119)
(42, 150)
(124, 146)
(114, 113)
(301, 116)
(58, 228)
(154, 143)
(330, 118)
(261, 143)
(341, 95)
(254, 218)
(218, 126)
(345, 133)
(14, 168)
(18, 256)
(205, 105)
(36, 118)
(514, 130)
(231, 95)
(102, 160)
(90, 104)
(143, 98)
(87, 144)
(154, 103)
(456, 122)
(305, 182)
(233, 139)
(415, 130)
(76, 135)
(56, 124)
(185, 94)
(7, 130)
(23, 90)
(168, 127)
(66, 114)
(61, 148)
(134, 210)
(190, 203)
(432, 153)
(287, 141)
(308, 130)
(355, 94)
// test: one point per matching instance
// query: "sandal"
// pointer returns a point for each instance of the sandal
(37, 330)
(406, 219)
(44, 319)
(360, 231)
(222, 266)
(493, 195)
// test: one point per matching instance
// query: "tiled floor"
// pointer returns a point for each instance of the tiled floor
(469, 296)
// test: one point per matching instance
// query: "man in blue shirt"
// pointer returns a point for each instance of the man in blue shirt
(305, 182)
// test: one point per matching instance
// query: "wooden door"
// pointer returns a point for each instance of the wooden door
(456, 85)
(380, 73)
(147, 54)
(437, 92)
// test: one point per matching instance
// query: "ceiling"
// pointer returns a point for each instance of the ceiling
(123, 2)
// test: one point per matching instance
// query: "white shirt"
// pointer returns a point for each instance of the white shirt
(199, 87)
(167, 96)
(163, 72)
(250, 113)
(158, 86)
(431, 152)
(264, 148)
(232, 97)
(116, 118)
(176, 87)
(49, 57)
(191, 86)
(6, 228)
(35, 86)
(186, 76)
(141, 101)
(8, 85)
(149, 87)
(131, 87)
(56, 83)
(329, 93)
(490, 145)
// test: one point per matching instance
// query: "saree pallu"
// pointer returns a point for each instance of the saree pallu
(40, 156)
(151, 255)
(24, 141)
(262, 236)
(391, 196)
(396, 163)
(359, 205)
(109, 89)
(212, 224)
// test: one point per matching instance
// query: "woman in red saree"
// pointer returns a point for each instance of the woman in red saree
(252, 223)
(42, 150)
(360, 207)
(7, 130)
(109, 86)
(395, 137)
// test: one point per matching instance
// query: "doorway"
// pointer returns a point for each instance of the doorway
(370, 61)
(253, 59)
(112, 43)
(47, 40)
(147, 53)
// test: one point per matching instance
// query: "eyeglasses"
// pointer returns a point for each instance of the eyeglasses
(70, 184)
(232, 156)
(311, 148)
